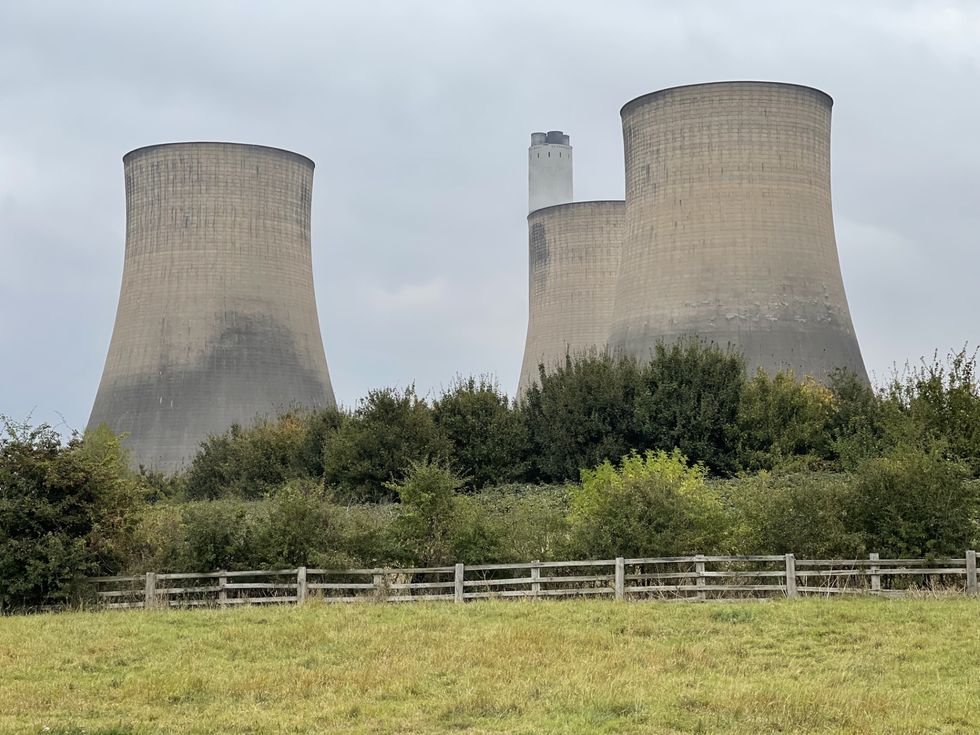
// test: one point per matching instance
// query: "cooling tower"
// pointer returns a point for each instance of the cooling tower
(573, 266)
(217, 319)
(729, 234)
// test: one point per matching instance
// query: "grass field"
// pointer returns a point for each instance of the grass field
(862, 666)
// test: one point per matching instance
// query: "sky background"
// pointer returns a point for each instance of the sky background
(418, 116)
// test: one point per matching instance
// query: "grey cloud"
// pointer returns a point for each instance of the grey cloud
(418, 116)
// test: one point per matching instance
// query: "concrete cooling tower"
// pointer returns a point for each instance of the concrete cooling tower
(217, 319)
(573, 267)
(729, 234)
(573, 261)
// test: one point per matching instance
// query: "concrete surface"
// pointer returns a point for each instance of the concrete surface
(729, 234)
(217, 319)
(573, 267)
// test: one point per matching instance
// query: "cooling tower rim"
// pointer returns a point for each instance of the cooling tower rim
(572, 204)
(190, 143)
(650, 96)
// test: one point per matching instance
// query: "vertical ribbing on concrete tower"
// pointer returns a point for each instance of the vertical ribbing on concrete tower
(729, 233)
(217, 319)
(549, 170)
(573, 264)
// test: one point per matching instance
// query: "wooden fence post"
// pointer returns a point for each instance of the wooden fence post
(791, 575)
(535, 576)
(700, 581)
(620, 578)
(971, 572)
(150, 590)
(222, 591)
(301, 588)
(458, 587)
(875, 577)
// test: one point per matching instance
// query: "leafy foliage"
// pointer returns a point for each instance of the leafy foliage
(938, 404)
(388, 432)
(690, 400)
(65, 510)
(248, 463)
(488, 440)
(650, 505)
(581, 415)
(781, 418)
(435, 525)
(803, 513)
(913, 502)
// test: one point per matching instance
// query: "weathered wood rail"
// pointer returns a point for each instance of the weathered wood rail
(679, 578)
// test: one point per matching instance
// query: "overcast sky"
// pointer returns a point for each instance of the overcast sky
(418, 116)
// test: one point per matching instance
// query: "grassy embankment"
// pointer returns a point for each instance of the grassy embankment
(862, 666)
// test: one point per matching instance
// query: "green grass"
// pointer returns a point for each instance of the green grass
(817, 666)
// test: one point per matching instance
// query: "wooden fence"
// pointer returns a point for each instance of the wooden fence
(678, 578)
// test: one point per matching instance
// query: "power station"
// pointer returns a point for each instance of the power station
(217, 320)
(727, 236)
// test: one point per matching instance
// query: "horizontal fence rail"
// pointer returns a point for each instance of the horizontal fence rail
(678, 578)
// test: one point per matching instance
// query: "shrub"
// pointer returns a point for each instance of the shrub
(650, 505)
(801, 513)
(299, 527)
(250, 462)
(217, 534)
(65, 510)
(528, 521)
(690, 401)
(940, 405)
(913, 503)
(581, 415)
(487, 438)
(388, 431)
(857, 426)
(436, 526)
(781, 418)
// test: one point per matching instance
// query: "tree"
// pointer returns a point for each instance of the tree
(690, 401)
(65, 510)
(581, 415)
(938, 405)
(251, 462)
(487, 437)
(781, 418)
(386, 433)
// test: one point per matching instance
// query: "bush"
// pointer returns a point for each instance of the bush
(938, 405)
(857, 427)
(581, 415)
(913, 503)
(781, 419)
(435, 526)
(217, 534)
(801, 513)
(300, 527)
(65, 512)
(690, 401)
(650, 505)
(487, 438)
(528, 521)
(250, 462)
(388, 432)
